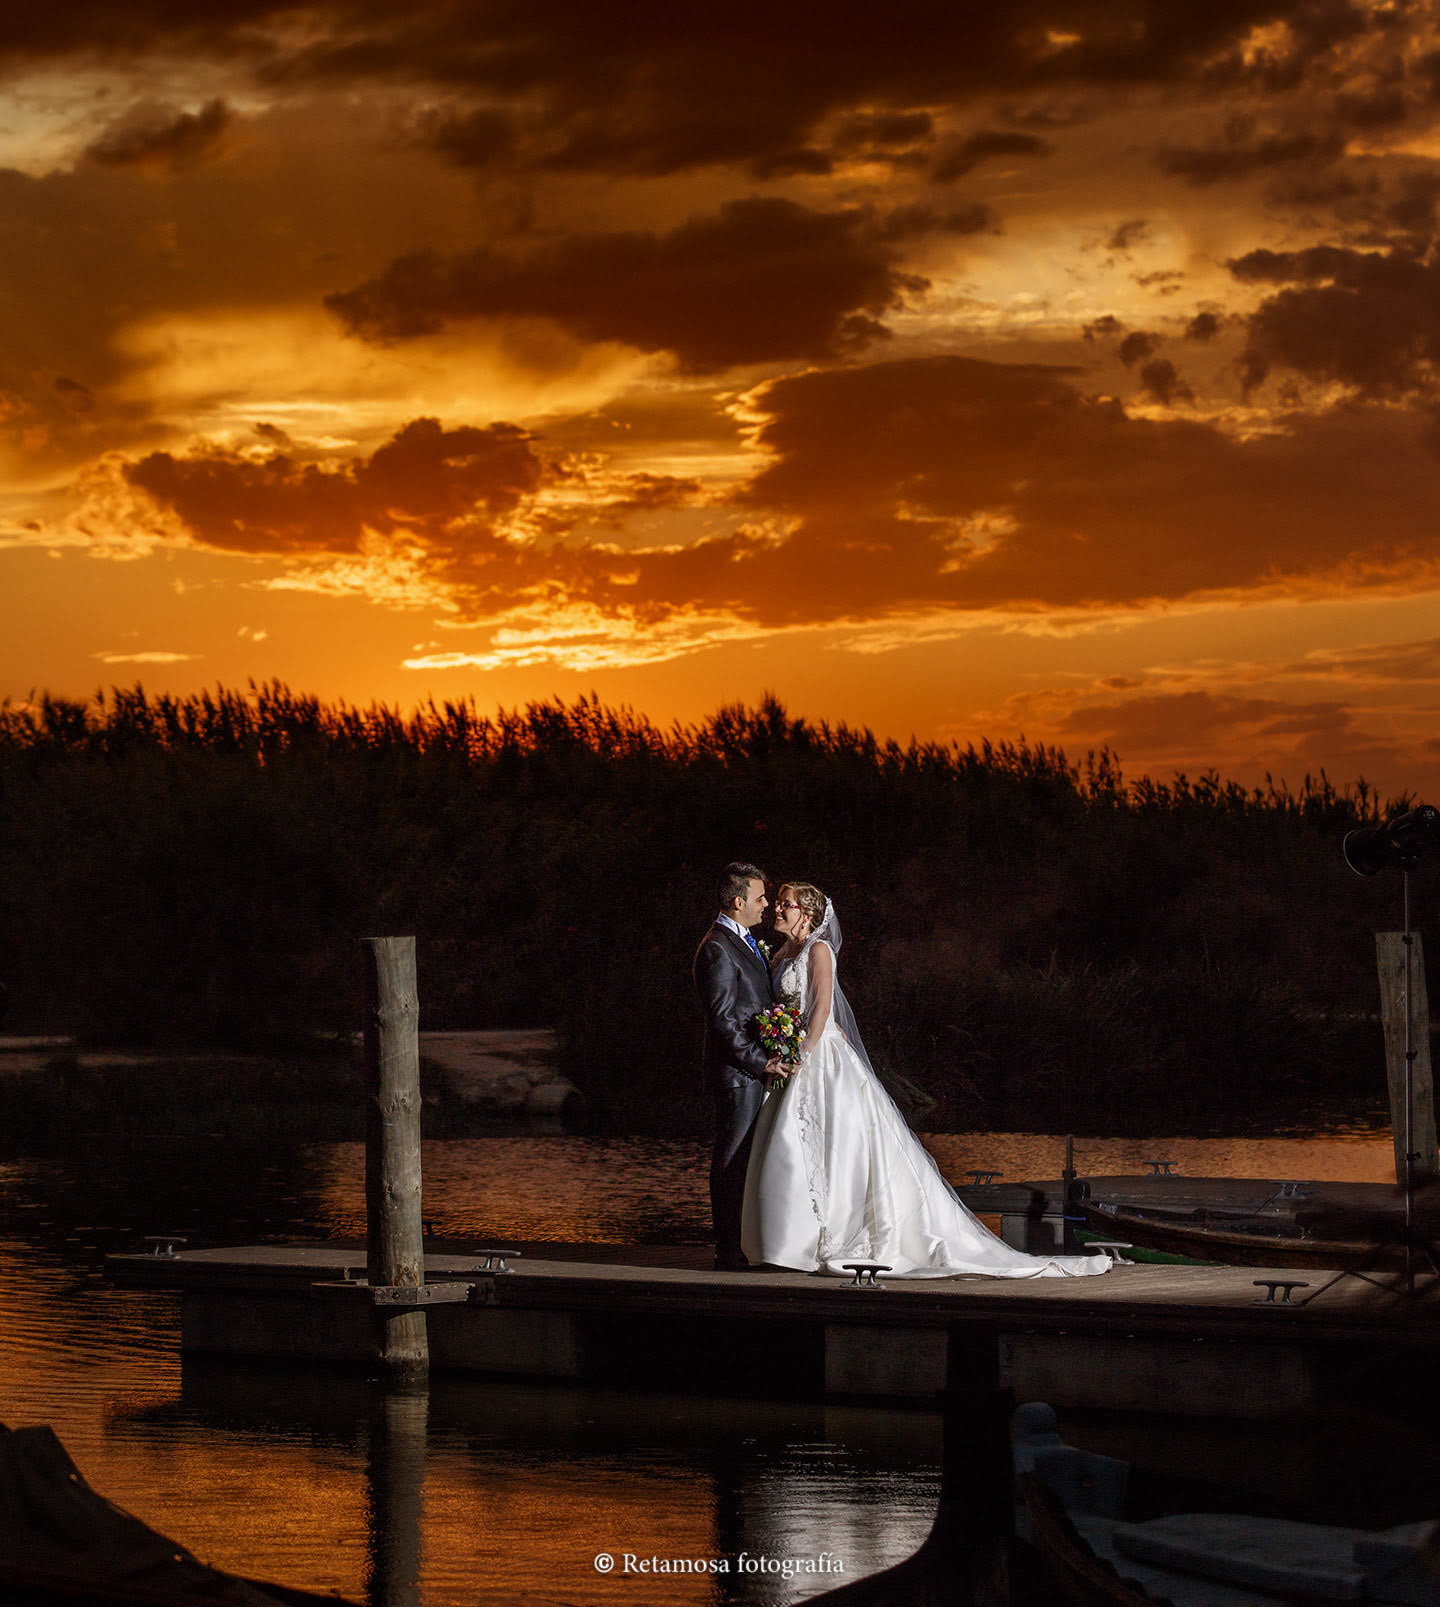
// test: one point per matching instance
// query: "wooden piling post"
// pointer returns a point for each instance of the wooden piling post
(395, 1230)
(1390, 959)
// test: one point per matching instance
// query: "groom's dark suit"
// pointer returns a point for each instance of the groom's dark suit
(734, 986)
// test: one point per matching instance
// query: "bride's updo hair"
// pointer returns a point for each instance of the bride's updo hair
(810, 899)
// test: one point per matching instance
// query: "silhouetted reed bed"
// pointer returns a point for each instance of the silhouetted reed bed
(1028, 941)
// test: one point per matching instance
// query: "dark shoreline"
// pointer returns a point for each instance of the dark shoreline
(319, 1098)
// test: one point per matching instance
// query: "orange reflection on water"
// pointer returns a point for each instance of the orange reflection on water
(1023, 1157)
(631, 1191)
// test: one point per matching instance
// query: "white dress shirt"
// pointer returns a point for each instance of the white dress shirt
(737, 929)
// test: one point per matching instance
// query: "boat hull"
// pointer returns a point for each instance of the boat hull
(1231, 1247)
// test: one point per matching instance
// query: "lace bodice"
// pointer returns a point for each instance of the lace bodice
(806, 984)
(790, 985)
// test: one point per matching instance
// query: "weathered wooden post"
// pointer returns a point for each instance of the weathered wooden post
(395, 1230)
(1418, 1125)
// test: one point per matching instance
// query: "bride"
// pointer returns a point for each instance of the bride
(835, 1173)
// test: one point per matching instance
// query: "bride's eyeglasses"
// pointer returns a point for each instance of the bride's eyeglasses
(787, 906)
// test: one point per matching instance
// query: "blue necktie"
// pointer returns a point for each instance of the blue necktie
(755, 947)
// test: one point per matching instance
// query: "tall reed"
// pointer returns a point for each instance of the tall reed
(1024, 931)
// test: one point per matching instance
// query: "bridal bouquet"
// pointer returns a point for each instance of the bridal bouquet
(780, 1032)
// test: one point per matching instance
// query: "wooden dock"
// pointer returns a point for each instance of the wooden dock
(1190, 1339)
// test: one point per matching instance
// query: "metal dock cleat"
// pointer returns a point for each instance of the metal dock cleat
(867, 1274)
(1279, 1290)
(1112, 1247)
(495, 1260)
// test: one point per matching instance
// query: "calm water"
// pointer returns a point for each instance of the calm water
(482, 1492)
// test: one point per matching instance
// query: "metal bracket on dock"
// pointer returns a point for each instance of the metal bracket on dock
(408, 1296)
(867, 1274)
(1283, 1286)
(1295, 1191)
(981, 1179)
(404, 1297)
(163, 1244)
(1162, 1168)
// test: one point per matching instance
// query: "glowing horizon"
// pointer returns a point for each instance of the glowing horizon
(1066, 371)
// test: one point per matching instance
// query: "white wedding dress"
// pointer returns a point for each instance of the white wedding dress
(835, 1173)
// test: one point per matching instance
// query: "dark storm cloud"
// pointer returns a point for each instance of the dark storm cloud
(1241, 153)
(792, 164)
(872, 131)
(423, 481)
(1367, 207)
(1160, 379)
(1203, 326)
(1369, 319)
(652, 88)
(1410, 205)
(161, 137)
(984, 146)
(75, 395)
(1378, 108)
(763, 280)
(903, 222)
(1101, 508)
(1127, 234)
(473, 137)
(1137, 346)
(1103, 327)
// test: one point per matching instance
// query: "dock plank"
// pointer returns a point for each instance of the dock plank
(1143, 1297)
(1148, 1337)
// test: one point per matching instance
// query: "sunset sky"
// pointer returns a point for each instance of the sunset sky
(1059, 367)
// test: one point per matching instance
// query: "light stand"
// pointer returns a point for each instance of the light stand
(1411, 1154)
(1367, 852)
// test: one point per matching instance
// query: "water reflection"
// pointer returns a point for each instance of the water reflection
(652, 1191)
(1352, 1156)
(485, 1492)
(395, 1482)
(481, 1492)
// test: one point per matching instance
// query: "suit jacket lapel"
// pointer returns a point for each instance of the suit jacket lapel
(745, 949)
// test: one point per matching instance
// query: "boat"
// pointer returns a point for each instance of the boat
(1335, 1240)
(1071, 1566)
(1071, 1517)
(63, 1544)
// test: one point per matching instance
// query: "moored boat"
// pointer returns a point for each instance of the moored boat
(1323, 1238)
(62, 1543)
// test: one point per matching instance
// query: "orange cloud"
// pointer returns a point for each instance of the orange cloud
(1369, 319)
(157, 136)
(763, 280)
(443, 484)
(900, 489)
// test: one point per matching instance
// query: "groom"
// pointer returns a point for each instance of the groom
(733, 982)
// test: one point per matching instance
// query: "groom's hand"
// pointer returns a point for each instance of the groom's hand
(776, 1067)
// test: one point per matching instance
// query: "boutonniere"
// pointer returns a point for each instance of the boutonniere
(764, 947)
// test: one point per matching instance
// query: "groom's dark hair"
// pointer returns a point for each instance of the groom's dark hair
(735, 882)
